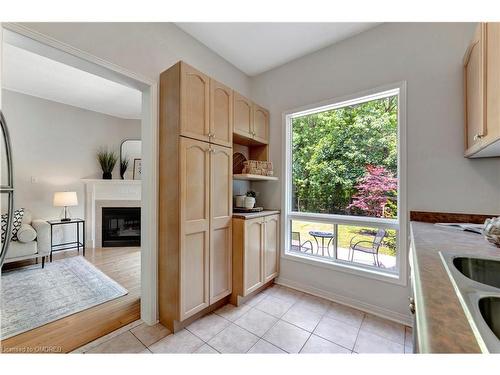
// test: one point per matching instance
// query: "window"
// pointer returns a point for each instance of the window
(344, 182)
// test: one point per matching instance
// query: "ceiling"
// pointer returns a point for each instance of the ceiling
(256, 47)
(32, 74)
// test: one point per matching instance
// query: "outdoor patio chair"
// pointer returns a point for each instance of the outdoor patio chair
(370, 247)
(297, 245)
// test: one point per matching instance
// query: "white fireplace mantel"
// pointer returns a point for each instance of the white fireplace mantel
(118, 191)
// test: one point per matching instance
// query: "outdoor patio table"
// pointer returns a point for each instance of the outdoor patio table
(324, 236)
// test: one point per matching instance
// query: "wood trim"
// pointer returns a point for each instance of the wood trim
(447, 217)
(169, 197)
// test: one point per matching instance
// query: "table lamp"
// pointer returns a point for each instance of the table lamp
(65, 199)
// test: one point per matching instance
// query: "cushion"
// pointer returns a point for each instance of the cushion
(26, 233)
(27, 217)
(16, 224)
(4, 226)
(17, 221)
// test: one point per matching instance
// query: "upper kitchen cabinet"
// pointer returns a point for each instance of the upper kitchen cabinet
(242, 116)
(260, 124)
(195, 103)
(482, 92)
(221, 114)
(251, 122)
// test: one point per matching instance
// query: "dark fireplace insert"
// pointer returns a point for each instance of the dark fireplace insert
(121, 226)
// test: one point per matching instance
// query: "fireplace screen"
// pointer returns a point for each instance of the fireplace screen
(121, 226)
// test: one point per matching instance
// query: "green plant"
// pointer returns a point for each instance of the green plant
(251, 193)
(107, 160)
(123, 166)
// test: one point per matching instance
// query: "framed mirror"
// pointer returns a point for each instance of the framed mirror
(131, 149)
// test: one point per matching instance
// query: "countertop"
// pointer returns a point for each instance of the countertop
(442, 326)
(253, 215)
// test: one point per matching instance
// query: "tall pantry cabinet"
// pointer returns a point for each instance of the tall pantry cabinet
(195, 193)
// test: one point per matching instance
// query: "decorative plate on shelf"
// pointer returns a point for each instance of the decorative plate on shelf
(238, 160)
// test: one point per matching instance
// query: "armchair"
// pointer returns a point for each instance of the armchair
(370, 247)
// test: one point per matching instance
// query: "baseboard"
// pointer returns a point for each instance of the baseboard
(354, 303)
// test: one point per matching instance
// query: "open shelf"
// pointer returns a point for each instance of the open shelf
(254, 177)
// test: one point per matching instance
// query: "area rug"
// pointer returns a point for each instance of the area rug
(31, 297)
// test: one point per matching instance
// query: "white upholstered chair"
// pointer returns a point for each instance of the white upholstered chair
(33, 240)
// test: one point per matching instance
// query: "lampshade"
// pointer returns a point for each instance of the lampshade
(65, 199)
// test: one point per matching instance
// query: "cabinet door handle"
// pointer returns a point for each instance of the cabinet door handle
(478, 136)
(412, 308)
(411, 305)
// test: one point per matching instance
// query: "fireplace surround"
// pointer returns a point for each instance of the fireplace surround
(100, 194)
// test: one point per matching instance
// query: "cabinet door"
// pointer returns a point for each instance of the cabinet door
(254, 242)
(242, 116)
(474, 92)
(194, 179)
(493, 81)
(221, 194)
(260, 124)
(195, 103)
(271, 247)
(221, 114)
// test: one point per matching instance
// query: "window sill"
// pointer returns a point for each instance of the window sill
(391, 278)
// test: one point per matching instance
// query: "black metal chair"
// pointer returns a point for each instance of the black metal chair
(297, 245)
(373, 247)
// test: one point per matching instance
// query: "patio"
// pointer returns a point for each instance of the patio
(386, 261)
(320, 240)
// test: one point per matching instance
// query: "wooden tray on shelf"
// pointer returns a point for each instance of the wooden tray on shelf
(247, 210)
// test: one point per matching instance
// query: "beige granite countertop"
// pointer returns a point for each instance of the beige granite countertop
(253, 215)
(442, 326)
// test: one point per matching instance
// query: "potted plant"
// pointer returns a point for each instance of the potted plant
(107, 160)
(123, 167)
(250, 199)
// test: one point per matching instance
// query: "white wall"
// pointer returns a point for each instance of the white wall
(429, 58)
(57, 144)
(144, 48)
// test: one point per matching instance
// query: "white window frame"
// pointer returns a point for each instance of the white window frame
(401, 224)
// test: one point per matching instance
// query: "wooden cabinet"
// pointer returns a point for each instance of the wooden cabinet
(271, 247)
(195, 103)
(251, 121)
(195, 196)
(260, 124)
(255, 253)
(194, 226)
(492, 138)
(221, 200)
(221, 114)
(252, 255)
(482, 92)
(242, 115)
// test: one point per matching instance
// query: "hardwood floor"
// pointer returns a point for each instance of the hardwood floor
(62, 336)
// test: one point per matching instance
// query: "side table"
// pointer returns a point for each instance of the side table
(67, 245)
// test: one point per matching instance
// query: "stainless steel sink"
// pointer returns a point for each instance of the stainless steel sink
(490, 311)
(484, 271)
(477, 284)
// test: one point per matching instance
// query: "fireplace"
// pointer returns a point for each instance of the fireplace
(121, 226)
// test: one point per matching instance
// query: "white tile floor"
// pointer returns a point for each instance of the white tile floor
(278, 320)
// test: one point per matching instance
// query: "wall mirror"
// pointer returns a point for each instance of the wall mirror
(131, 149)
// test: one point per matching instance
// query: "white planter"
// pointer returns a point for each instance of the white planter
(240, 201)
(249, 202)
